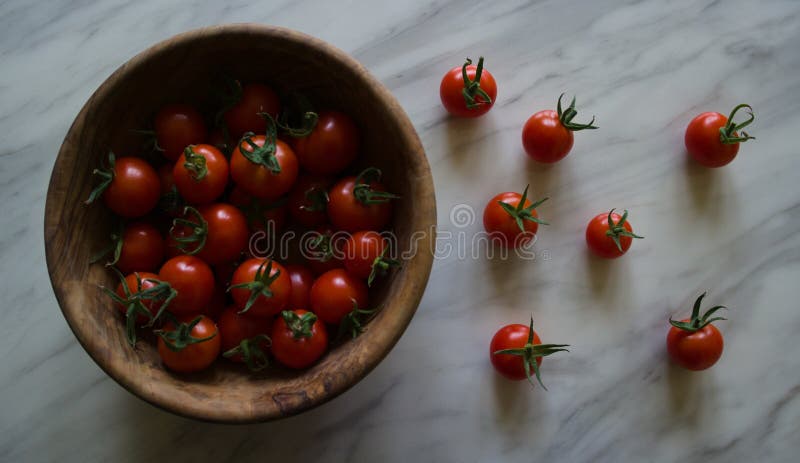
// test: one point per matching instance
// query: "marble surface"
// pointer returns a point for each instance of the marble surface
(645, 68)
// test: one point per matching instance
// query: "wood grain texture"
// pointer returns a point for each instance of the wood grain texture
(183, 69)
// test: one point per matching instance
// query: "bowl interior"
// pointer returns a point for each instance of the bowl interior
(188, 69)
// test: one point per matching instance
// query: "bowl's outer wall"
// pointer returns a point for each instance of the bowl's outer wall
(188, 68)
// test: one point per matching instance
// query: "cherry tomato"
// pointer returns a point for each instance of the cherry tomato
(192, 279)
(512, 219)
(141, 249)
(262, 215)
(170, 204)
(335, 294)
(269, 178)
(140, 297)
(201, 174)
(365, 255)
(216, 233)
(609, 235)
(261, 287)
(360, 203)
(130, 188)
(190, 351)
(298, 338)
(547, 135)
(178, 126)
(472, 96)
(516, 352)
(323, 249)
(244, 339)
(694, 343)
(244, 115)
(302, 278)
(713, 139)
(308, 201)
(332, 145)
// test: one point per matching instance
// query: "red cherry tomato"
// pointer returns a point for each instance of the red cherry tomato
(610, 235)
(130, 189)
(244, 339)
(178, 126)
(201, 174)
(298, 339)
(244, 116)
(140, 297)
(261, 287)
(500, 221)
(480, 86)
(323, 249)
(547, 135)
(142, 248)
(694, 343)
(514, 346)
(196, 352)
(332, 145)
(136, 283)
(713, 139)
(302, 278)
(365, 255)
(360, 203)
(337, 293)
(308, 201)
(216, 233)
(192, 279)
(272, 177)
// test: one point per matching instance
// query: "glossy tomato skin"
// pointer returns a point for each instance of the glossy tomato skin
(349, 214)
(208, 188)
(143, 248)
(513, 336)
(703, 140)
(134, 288)
(453, 100)
(135, 189)
(501, 226)
(178, 126)
(243, 117)
(299, 204)
(361, 250)
(601, 244)
(263, 306)
(545, 138)
(193, 279)
(695, 351)
(302, 278)
(301, 352)
(235, 328)
(331, 146)
(227, 233)
(260, 181)
(194, 357)
(333, 293)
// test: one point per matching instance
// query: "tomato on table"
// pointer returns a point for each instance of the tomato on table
(516, 351)
(141, 297)
(308, 200)
(130, 186)
(469, 90)
(713, 139)
(360, 203)
(193, 279)
(264, 166)
(301, 278)
(260, 287)
(190, 345)
(547, 135)
(365, 256)
(610, 235)
(337, 293)
(298, 339)
(694, 343)
(178, 126)
(244, 339)
(331, 146)
(512, 218)
(216, 233)
(201, 174)
(245, 114)
(140, 248)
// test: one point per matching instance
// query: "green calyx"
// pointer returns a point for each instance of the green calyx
(194, 242)
(114, 247)
(322, 247)
(353, 322)
(566, 116)
(170, 202)
(317, 198)
(106, 177)
(615, 230)
(472, 87)
(697, 322)
(728, 134)
(195, 164)
(298, 120)
(251, 351)
(181, 337)
(134, 302)
(530, 352)
(263, 155)
(364, 193)
(381, 265)
(260, 284)
(522, 213)
(299, 325)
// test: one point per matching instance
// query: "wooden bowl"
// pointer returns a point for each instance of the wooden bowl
(184, 69)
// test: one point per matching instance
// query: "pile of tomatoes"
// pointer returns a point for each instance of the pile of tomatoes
(184, 251)
(511, 219)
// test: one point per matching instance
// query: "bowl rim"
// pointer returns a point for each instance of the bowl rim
(422, 261)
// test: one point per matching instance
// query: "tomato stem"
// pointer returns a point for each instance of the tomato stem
(318, 198)
(728, 133)
(530, 352)
(566, 116)
(353, 322)
(697, 322)
(260, 284)
(262, 155)
(181, 337)
(522, 213)
(106, 176)
(364, 193)
(199, 233)
(305, 124)
(381, 265)
(195, 163)
(299, 325)
(473, 87)
(254, 357)
(615, 230)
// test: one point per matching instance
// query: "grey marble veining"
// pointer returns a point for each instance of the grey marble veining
(645, 68)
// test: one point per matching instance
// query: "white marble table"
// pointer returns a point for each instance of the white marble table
(643, 67)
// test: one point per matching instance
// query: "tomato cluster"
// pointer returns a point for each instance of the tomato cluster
(184, 256)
